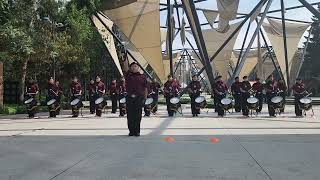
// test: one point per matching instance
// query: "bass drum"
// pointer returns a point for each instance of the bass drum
(305, 103)
(277, 102)
(252, 103)
(226, 103)
(200, 102)
(175, 103)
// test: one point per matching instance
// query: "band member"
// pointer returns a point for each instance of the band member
(147, 109)
(282, 87)
(194, 88)
(257, 88)
(245, 94)
(122, 92)
(136, 84)
(236, 93)
(171, 89)
(299, 92)
(60, 93)
(53, 93)
(154, 88)
(92, 98)
(271, 91)
(32, 90)
(76, 91)
(100, 91)
(220, 91)
(113, 95)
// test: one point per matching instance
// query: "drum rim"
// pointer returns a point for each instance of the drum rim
(31, 99)
(226, 99)
(257, 100)
(72, 104)
(175, 98)
(200, 97)
(307, 99)
(53, 101)
(147, 101)
(279, 97)
(122, 99)
(98, 99)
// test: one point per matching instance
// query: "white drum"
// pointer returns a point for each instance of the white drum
(99, 100)
(28, 101)
(149, 101)
(252, 100)
(305, 100)
(123, 100)
(200, 99)
(226, 103)
(75, 102)
(49, 103)
(277, 99)
(175, 100)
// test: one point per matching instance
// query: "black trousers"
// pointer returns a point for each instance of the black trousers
(215, 103)
(297, 109)
(245, 109)
(134, 110)
(219, 107)
(271, 109)
(259, 96)
(237, 102)
(114, 103)
(283, 95)
(169, 106)
(155, 103)
(92, 104)
(194, 110)
(122, 107)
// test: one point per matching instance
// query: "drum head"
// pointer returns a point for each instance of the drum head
(174, 100)
(51, 102)
(75, 102)
(252, 100)
(199, 99)
(99, 100)
(305, 100)
(276, 99)
(123, 100)
(149, 101)
(28, 101)
(226, 101)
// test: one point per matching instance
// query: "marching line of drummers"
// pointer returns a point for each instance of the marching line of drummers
(242, 97)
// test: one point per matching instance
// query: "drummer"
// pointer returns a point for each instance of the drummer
(154, 87)
(32, 90)
(194, 88)
(100, 91)
(282, 88)
(220, 91)
(60, 93)
(122, 92)
(76, 91)
(299, 92)
(245, 94)
(113, 95)
(52, 93)
(171, 89)
(92, 98)
(271, 91)
(257, 88)
(236, 93)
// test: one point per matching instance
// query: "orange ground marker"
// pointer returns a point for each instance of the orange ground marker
(214, 140)
(169, 139)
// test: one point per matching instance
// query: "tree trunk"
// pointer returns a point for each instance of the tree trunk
(23, 78)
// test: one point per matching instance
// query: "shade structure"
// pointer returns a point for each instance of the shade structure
(294, 32)
(107, 38)
(210, 15)
(140, 23)
(227, 11)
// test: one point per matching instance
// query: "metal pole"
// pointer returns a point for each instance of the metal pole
(310, 8)
(169, 31)
(234, 33)
(237, 71)
(119, 41)
(304, 52)
(242, 46)
(284, 34)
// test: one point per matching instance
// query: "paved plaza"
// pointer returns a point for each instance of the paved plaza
(181, 147)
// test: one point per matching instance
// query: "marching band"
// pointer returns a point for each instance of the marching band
(242, 96)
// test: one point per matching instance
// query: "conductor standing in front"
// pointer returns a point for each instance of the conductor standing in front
(137, 92)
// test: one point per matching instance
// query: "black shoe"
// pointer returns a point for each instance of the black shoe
(193, 115)
(137, 134)
(131, 134)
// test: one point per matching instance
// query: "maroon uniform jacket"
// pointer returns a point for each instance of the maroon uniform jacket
(194, 88)
(136, 84)
(257, 87)
(220, 88)
(271, 86)
(113, 89)
(235, 88)
(100, 88)
(298, 89)
(33, 88)
(171, 88)
(75, 88)
(245, 86)
(282, 87)
(91, 89)
(121, 87)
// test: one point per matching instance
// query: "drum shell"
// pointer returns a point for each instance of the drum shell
(226, 106)
(78, 105)
(175, 106)
(305, 106)
(201, 105)
(277, 105)
(253, 106)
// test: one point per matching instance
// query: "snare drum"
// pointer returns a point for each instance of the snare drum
(51, 102)
(148, 102)
(252, 103)
(75, 102)
(305, 103)
(277, 102)
(123, 100)
(200, 102)
(226, 103)
(175, 103)
(99, 101)
(28, 101)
